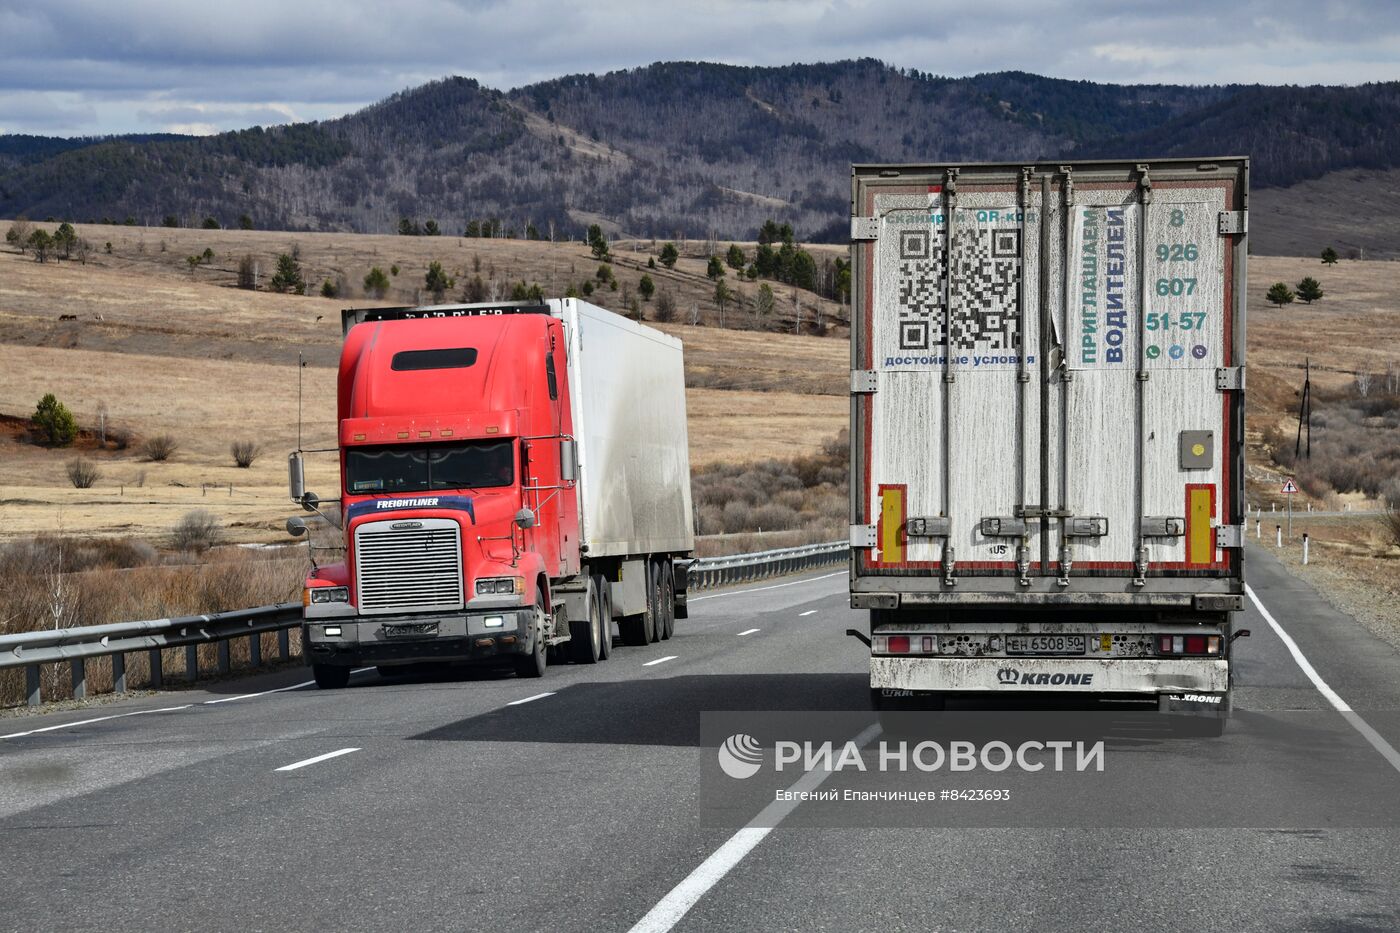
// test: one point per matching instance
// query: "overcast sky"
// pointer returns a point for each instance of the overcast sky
(72, 67)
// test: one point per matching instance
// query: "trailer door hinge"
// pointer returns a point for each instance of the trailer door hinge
(1229, 379)
(863, 382)
(1233, 222)
(1229, 536)
(865, 228)
(862, 536)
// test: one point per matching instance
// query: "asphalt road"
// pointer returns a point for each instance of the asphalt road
(469, 802)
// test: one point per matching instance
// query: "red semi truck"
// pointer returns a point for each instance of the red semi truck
(515, 484)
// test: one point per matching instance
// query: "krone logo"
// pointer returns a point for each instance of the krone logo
(740, 756)
(1008, 675)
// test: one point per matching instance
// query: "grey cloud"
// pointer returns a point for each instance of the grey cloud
(134, 60)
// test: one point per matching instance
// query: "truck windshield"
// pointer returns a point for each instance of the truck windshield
(418, 468)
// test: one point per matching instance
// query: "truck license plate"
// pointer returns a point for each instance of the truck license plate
(398, 630)
(1044, 644)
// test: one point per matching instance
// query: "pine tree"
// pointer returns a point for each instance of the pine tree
(669, 255)
(376, 283)
(1310, 290)
(646, 287)
(735, 257)
(1329, 256)
(437, 281)
(288, 275)
(1280, 294)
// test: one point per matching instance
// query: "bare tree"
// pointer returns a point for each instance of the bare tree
(1363, 384)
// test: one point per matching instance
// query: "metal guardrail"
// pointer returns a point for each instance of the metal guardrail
(77, 645)
(707, 572)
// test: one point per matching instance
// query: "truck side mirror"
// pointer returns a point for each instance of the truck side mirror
(525, 519)
(309, 501)
(568, 461)
(296, 527)
(296, 476)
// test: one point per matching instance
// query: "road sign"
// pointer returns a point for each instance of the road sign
(1289, 487)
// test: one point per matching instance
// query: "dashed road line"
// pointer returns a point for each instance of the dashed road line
(809, 612)
(319, 758)
(669, 657)
(538, 696)
(748, 631)
(674, 906)
(85, 722)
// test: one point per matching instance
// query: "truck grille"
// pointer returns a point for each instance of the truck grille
(408, 569)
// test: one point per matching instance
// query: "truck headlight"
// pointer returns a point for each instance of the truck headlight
(329, 594)
(496, 586)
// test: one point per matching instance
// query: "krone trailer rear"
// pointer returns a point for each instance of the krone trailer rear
(1047, 407)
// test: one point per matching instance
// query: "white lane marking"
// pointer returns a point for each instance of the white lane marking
(361, 670)
(809, 612)
(263, 693)
(84, 722)
(311, 761)
(538, 696)
(669, 657)
(748, 631)
(1387, 750)
(671, 908)
(775, 586)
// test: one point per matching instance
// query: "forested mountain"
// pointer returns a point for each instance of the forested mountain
(673, 148)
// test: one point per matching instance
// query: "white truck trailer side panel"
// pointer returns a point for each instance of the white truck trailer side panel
(627, 386)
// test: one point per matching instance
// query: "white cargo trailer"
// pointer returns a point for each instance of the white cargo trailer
(1047, 426)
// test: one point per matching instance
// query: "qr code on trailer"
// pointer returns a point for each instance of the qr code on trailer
(986, 271)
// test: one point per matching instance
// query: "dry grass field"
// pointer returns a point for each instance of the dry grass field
(166, 351)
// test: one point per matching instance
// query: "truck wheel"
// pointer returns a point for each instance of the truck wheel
(330, 676)
(668, 599)
(586, 635)
(534, 663)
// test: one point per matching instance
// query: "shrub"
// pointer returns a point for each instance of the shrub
(53, 422)
(665, 306)
(328, 289)
(159, 448)
(376, 283)
(196, 532)
(82, 473)
(244, 453)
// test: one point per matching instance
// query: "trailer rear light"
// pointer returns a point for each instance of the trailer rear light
(1188, 644)
(928, 644)
(899, 644)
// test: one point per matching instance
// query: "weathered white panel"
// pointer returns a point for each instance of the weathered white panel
(627, 386)
(1178, 400)
(1185, 268)
(906, 439)
(1100, 437)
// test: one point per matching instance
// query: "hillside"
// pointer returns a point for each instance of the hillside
(689, 149)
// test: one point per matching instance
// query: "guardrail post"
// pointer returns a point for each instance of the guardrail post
(119, 673)
(284, 644)
(225, 662)
(255, 650)
(31, 685)
(157, 675)
(191, 663)
(79, 679)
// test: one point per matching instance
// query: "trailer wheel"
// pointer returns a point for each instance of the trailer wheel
(330, 676)
(668, 598)
(655, 583)
(533, 664)
(605, 622)
(639, 629)
(586, 635)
